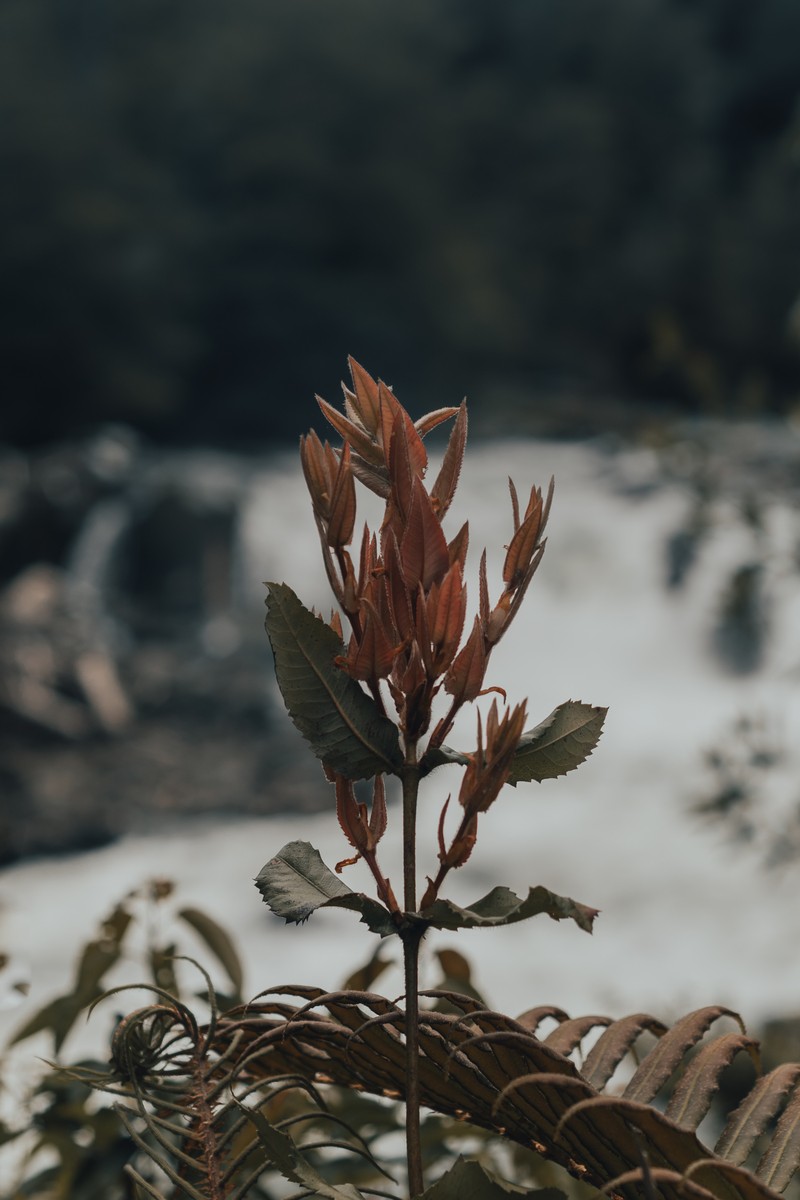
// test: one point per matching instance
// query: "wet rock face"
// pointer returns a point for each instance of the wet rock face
(742, 624)
(158, 587)
(133, 689)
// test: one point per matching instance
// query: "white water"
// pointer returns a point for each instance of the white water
(686, 919)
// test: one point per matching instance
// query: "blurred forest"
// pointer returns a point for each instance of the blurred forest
(206, 206)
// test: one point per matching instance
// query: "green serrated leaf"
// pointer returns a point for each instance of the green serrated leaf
(287, 1157)
(501, 906)
(559, 744)
(296, 882)
(218, 942)
(468, 1180)
(341, 723)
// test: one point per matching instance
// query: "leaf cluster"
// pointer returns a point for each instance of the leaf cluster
(406, 608)
(296, 882)
(88, 1145)
(307, 1091)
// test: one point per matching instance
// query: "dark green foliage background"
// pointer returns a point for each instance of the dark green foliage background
(205, 207)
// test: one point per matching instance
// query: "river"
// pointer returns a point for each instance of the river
(687, 916)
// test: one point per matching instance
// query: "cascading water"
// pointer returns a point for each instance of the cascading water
(686, 917)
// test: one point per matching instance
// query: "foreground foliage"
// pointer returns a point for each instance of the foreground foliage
(308, 1085)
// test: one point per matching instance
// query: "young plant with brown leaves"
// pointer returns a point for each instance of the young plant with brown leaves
(368, 705)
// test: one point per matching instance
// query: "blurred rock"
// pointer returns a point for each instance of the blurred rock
(742, 625)
(129, 694)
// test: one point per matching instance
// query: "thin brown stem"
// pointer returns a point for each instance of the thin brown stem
(374, 687)
(411, 943)
(385, 890)
(411, 937)
(410, 792)
(444, 726)
(432, 890)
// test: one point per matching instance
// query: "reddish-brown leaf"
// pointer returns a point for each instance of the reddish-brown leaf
(401, 473)
(358, 439)
(446, 616)
(522, 545)
(390, 409)
(398, 594)
(347, 812)
(369, 656)
(425, 424)
(457, 549)
(349, 597)
(411, 679)
(514, 503)
(351, 406)
(317, 476)
(336, 625)
(343, 504)
(464, 680)
(487, 770)
(366, 559)
(423, 548)
(382, 648)
(373, 476)
(446, 482)
(483, 593)
(377, 593)
(378, 817)
(366, 397)
(548, 503)
(463, 844)
(423, 633)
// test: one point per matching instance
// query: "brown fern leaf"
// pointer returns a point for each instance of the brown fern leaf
(782, 1157)
(488, 1069)
(611, 1047)
(756, 1111)
(668, 1055)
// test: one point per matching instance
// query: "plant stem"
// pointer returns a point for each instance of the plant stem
(411, 937)
(410, 792)
(411, 943)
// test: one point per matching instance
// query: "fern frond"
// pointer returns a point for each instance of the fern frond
(193, 1105)
(493, 1072)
